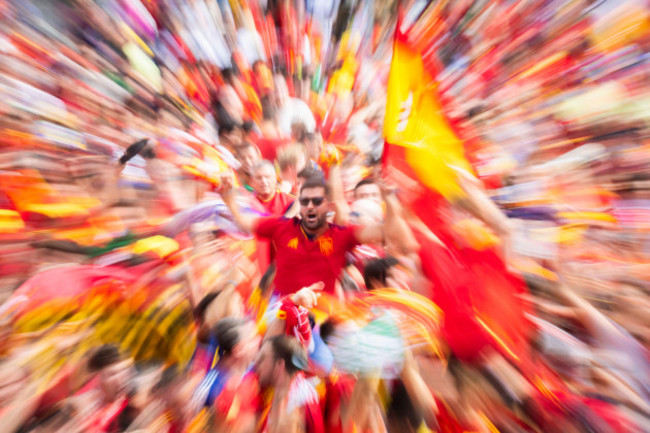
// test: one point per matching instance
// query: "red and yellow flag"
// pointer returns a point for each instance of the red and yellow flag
(427, 146)
(424, 156)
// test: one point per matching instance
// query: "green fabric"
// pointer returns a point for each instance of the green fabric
(114, 244)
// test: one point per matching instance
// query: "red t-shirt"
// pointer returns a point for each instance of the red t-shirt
(301, 261)
(277, 205)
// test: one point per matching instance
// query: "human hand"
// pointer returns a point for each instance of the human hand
(227, 181)
(307, 297)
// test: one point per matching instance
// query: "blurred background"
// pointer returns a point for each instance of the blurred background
(523, 126)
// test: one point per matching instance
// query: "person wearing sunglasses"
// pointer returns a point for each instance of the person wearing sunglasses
(309, 248)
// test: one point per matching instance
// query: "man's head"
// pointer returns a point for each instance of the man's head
(230, 135)
(367, 189)
(169, 387)
(366, 212)
(106, 362)
(313, 142)
(265, 180)
(232, 105)
(307, 173)
(377, 273)
(248, 156)
(314, 204)
(238, 340)
(279, 359)
(281, 90)
(291, 160)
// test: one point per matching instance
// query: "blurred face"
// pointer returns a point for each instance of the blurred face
(11, 382)
(265, 182)
(248, 157)
(291, 172)
(314, 147)
(281, 90)
(314, 207)
(228, 304)
(369, 191)
(114, 378)
(248, 347)
(266, 366)
(231, 103)
(232, 139)
(366, 212)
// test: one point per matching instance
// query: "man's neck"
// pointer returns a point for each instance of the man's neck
(234, 367)
(266, 197)
(313, 234)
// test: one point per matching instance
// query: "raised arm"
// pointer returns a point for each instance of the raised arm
(341, 207)
(395, 228)
(244, 222)
(479, 204)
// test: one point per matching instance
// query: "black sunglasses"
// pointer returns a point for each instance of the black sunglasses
(316, 200)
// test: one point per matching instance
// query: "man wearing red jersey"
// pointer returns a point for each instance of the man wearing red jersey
(276, 203)
(309, 249)
(295, 405)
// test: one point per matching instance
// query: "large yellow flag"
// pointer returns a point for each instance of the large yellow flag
(415, 121)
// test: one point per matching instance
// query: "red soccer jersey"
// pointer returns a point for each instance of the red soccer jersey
(277, 205)
(301, 261)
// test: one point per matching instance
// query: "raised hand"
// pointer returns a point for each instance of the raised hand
(307, 297)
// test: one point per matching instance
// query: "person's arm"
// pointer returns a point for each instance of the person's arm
(244, 222)
(341, 207)
(479, 204)
(394, 228)
(293, 210)
(418, 390)
(279, 421)
(359, 409)
(290, 314)
(21, 409)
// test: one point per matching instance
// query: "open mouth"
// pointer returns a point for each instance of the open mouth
(311, 217)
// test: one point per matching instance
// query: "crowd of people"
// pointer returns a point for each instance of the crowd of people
(202, 228)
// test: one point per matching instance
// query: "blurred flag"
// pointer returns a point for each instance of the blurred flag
(423, 153)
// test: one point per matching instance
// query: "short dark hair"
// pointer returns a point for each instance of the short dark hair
(169, 377)
(310, 171)
(228, 333)
(269, 110)
(315, 182)
(228, 75)
(202, 306)
(377, 269)
(327, 328)
(309, 136)
(103, 357)
(248, 126)
(290, 351)
(365, 181)
(226, 127)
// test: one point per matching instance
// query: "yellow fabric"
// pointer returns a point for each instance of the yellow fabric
(160, 245)
(414, 120)
(476, 234)
(588, 216)
(10, 221)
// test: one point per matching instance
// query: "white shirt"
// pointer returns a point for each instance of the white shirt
(295, 111)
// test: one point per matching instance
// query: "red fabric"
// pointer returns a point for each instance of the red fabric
(248, 394)
(279, 204)
(296, 321)
(276, 207)
(338, 389)
(56, 393)
(609, 413)
(302, 262)
(314, 418)
(446, 420)
(269, 147)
